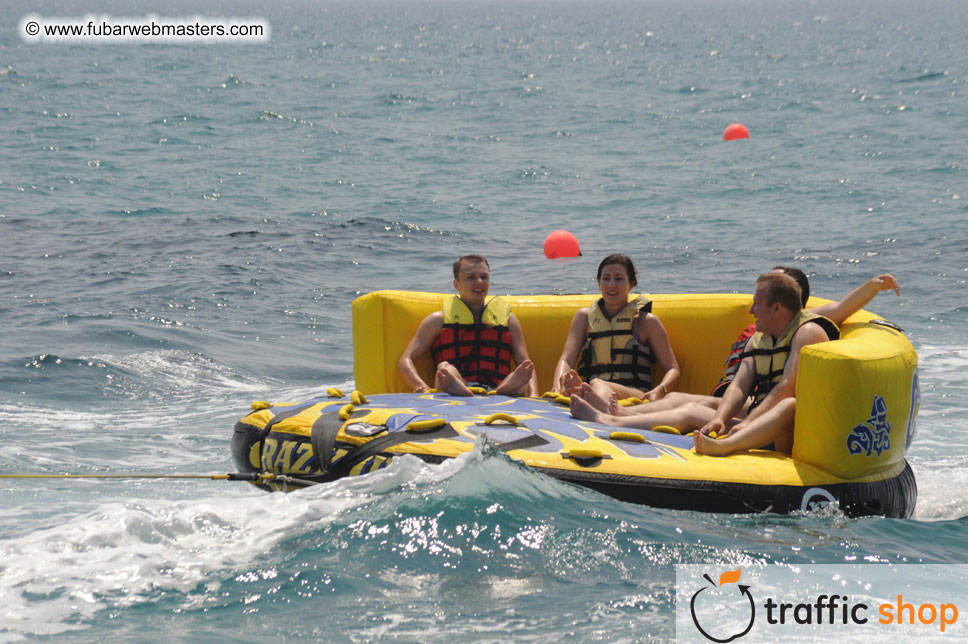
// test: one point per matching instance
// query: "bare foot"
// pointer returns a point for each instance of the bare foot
(517, 380)
(448, 380)
(616, 409)
(593, 398)
(581, 410)
(708, 445)
(571, 383)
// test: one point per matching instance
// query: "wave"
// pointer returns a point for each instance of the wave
(164, 374)
(478, 531)
(925, 76)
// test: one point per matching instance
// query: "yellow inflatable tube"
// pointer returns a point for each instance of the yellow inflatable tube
(857, 397)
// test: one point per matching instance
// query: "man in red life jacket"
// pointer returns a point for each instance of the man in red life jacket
(473, 341)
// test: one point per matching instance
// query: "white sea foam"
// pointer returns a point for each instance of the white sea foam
(177, 371)
(122, 553)
(942, 487)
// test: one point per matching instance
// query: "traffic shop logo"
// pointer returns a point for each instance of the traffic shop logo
(734, 595)
(726, 611)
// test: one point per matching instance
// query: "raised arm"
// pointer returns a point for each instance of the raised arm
(577, 335)
(421, 342)
(858, 298)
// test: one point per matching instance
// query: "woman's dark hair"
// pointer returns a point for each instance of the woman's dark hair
(801, 280)
(619, 259)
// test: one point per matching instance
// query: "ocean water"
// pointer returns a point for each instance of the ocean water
(184, 228)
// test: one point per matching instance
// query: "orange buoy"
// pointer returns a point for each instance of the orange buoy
(561, 243)
(735, 131)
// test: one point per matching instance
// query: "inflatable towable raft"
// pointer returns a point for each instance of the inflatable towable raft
(857, 399)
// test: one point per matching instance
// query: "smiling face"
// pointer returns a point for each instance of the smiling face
(615, 285)
(472, 283)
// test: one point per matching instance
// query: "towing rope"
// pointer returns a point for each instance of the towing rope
(253, 477)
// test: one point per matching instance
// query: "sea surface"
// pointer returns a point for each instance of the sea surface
(184, 227)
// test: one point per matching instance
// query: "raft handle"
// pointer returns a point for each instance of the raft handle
(585, 457)
(888, 324)
(630, 437)
(421, 426)
(508, 418)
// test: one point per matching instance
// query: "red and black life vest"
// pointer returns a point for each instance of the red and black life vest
(480, 351)
(733, 359)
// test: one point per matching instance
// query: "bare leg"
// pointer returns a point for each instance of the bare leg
(775, 426)
(603, 388)
(686, 418)
(670, 401)
(448, 379)
(516, 380)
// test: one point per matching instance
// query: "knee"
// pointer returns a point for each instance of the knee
(675, 398)
(787, 406)
(696, 411)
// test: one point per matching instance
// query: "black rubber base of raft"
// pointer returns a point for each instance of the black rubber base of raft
(894, 497)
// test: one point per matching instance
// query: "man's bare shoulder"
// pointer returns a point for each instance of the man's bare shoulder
(434, 319)
(810, 334)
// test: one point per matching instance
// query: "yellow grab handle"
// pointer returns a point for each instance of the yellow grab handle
(585, 454)
(345, 411)
(666, 429)
(627, 436)
(420, 426)
(480, 391)
(563, 400)
(628, 402)
(260, 404)
(508, 418)
(358, 398)
(333, 392)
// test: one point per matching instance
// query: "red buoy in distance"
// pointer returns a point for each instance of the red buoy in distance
(735, 131)
(561, 243)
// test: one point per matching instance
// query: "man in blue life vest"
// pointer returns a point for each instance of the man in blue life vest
(473, 341)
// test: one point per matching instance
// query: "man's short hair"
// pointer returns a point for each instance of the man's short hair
(780, 288)
(469, 259)
(801, 279)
